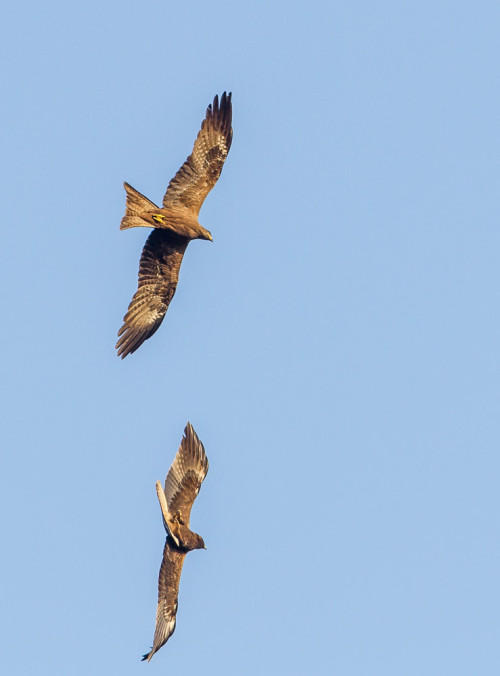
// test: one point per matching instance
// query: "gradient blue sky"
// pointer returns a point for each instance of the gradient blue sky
(336, 348)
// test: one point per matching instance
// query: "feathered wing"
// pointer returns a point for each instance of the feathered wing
(158, 276)
(182, 485)
(168, 591)
(186, 475)
(199, 173)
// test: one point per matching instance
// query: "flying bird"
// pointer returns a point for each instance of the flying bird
(182, 485)
(176, 224)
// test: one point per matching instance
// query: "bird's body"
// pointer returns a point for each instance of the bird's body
(177, 220)
(182, 485)
(141, 212)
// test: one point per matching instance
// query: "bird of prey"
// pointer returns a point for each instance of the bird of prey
(175, 225)
(182, 485)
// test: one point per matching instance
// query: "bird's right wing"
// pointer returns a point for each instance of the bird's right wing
(158, 275)
(186, 475)
(168, 592)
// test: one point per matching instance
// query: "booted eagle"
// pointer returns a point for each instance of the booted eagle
(176, 224)
(182, 485)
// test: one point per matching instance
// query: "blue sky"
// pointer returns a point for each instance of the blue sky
(336, 347)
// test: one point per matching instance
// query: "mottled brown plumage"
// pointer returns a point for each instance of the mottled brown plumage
(176, 224)
(182, 485)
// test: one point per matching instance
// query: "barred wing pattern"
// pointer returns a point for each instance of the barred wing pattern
(182, 485)
(200, 172)
(168, 591)
(158, 276)
(186, 475)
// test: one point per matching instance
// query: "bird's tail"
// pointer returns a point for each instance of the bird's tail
(168, 520)
(135, 205)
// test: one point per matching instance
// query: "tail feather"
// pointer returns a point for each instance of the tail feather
(135, 205)
(133, 222)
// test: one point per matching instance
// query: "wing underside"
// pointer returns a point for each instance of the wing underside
(186, 475)
(158, 276)
(168, 592)
(201, 170)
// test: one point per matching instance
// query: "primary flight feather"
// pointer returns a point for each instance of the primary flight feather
(182, 485)
(176, 224)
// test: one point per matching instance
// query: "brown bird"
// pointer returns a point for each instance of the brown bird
(176, 224)
(182, 485)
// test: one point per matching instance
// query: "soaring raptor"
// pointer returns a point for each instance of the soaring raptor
(182, 485)
(176, 223)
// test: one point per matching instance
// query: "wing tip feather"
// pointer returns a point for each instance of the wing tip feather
(192, 447)
(221, 112)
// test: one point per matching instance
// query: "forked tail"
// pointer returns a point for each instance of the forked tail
(135, 205)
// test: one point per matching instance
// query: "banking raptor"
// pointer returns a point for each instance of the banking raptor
(182, 485)
(175, 225)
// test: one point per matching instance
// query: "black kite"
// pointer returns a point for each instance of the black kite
(176, 224)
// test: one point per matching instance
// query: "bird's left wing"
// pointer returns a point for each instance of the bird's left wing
(158, 275)
(168, 592)
(200, 172)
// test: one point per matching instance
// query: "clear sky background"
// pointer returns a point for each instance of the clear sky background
(336, 348)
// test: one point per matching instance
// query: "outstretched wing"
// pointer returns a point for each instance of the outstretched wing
(199, 173)
(186, 475)
(168, 591)
(158, 275)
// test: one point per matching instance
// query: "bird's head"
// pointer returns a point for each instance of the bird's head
(205, 234)
(198, 543)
